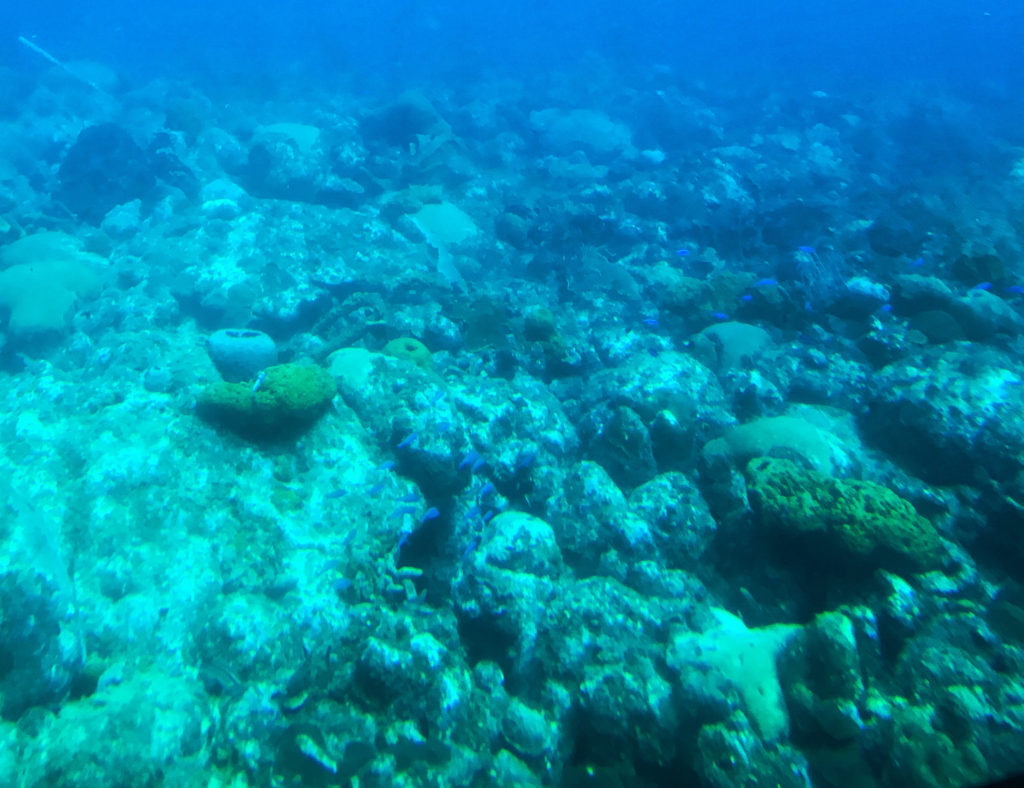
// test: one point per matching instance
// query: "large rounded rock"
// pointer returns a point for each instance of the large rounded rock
(103, 168)
(950, 417)
(42, 649)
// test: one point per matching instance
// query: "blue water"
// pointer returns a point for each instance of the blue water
(959, 42)
(457, 394)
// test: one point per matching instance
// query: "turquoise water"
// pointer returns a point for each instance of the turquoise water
(454, 395)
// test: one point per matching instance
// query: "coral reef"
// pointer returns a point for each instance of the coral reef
(576, 424)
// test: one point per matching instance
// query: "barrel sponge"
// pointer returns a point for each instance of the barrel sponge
(411, 350)
(240, 353)
(287, 399)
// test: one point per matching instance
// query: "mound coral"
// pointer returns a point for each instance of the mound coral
(858, 520)
(282, 402)
(45, 275)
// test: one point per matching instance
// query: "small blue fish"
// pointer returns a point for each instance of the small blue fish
(341, 584)
(480, 463)
(486, 490)
(377, 488)
(807, 249)
(918, 262)
(490, 513)
(403, 539)
(682, 252)
(746, 297)
(650, 321)
(259, 382)
(719, 316)
(526, 459)
(473, 544)
(886, 308)
(410, 497)
(766, 282)
(472, 511)
(1015, 289)
(982, 286)
(430, 514)
(443, 426)
(469, 459)
(336, 494)
(401, 511)
(409, 440)
(387, 465)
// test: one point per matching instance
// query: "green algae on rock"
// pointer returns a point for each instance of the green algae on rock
(285, 400)
(860, 520)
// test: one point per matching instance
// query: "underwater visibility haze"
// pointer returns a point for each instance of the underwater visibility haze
(472, 394)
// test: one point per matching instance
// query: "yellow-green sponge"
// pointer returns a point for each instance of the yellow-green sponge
(854, 520)
(283, 401)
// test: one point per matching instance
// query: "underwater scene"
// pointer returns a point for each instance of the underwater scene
(545, 394)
